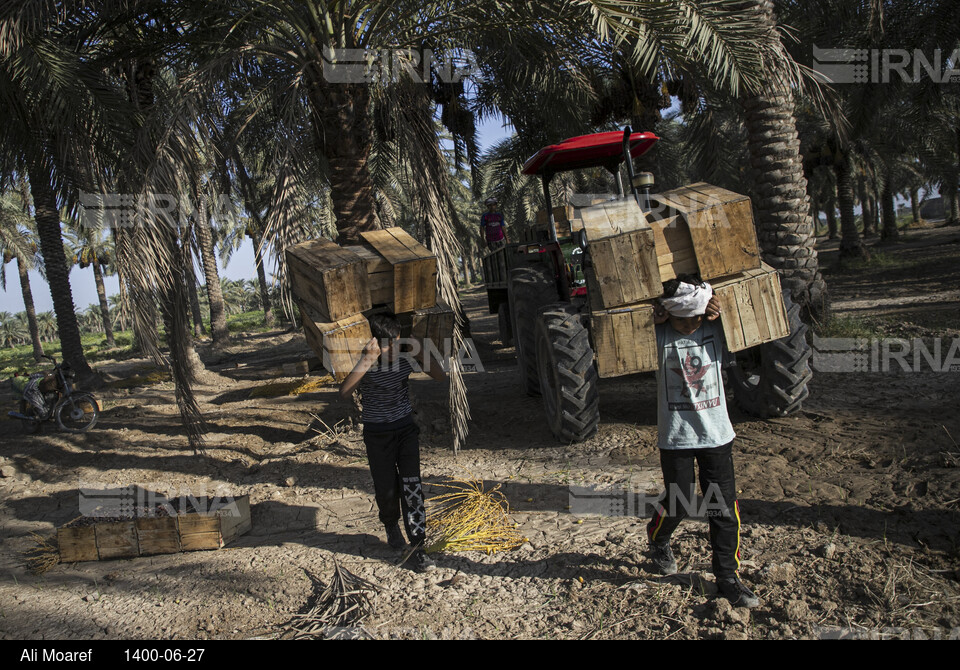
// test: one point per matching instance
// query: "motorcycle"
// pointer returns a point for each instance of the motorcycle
(53, 397)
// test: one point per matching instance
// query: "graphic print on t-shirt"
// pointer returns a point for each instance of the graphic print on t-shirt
(694, 380)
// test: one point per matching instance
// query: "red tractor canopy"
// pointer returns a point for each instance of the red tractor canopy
(586, 151)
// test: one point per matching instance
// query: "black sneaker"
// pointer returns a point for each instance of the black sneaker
(662, 556)
(422, 562)
(739, 595)
(395, 537)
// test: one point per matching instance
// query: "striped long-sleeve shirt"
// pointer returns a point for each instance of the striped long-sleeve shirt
(384, 388)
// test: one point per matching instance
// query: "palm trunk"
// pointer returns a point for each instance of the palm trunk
(218, 312)
(104, 307)
(951, 204)
(915, 204)
(268, 318)
(832, 219)
(29, 308)
(47, 216)
(890, 231)
(851, 245)
(784, 225)
(341, 114)
(198, 329)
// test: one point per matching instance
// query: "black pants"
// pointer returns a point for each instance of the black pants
(719, 504)
(394, 457)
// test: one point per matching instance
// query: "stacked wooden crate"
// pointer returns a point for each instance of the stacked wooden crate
(337, 288)
(696, 229)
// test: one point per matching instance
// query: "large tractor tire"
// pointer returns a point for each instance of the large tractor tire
(771, 379)
(532, 288)
(568, 377)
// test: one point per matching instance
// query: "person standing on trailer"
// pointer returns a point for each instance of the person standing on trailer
(493, 226)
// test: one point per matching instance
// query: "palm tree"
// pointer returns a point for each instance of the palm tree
(18, 242)
(89, 247)
(60, 116)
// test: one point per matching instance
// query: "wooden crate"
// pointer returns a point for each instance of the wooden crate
(199, 532)
(339, 344)
(623, 269)
(330, 279)
(433, 325)
(117, 540)
(752, 308)
(675, 255)
(562, 216)
(624, 340)
(412, 284)
(720, 226)
(77, 544)
(158, 535)
(226, 520)
(612, 217)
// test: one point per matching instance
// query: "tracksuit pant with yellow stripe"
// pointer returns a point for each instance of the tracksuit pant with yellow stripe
(719, 490)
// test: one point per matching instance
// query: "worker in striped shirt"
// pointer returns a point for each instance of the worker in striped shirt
(390, 434)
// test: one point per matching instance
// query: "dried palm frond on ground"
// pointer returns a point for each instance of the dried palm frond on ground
(469, 518)
(338, 611)
(296, 387)
(43, 557)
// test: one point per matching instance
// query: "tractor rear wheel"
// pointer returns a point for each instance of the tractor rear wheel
(532, 288)
(568, 377)
(771, 379)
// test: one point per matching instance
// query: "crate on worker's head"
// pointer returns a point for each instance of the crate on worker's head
(328, 278)
(432, 328)
(207, 524)
(338, 344)
(703, 229)
(623, 261)
(624, 340)
(403, 275)
(752, 308)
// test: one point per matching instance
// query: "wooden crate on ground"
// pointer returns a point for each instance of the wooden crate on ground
(624, 340)
(77, 544)
(222, 521)
(157, 535)
(752, 308)
(117, 540)
(330, 279)
(719, 224)
(412, 284)
(339, 344)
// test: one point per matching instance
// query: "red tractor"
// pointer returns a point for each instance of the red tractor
(576, 295)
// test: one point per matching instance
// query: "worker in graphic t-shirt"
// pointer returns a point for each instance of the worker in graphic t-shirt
(493, 226)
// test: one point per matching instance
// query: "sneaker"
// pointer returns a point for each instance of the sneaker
(395, 537)
(663, 558)
(422, 562)
(739, 595)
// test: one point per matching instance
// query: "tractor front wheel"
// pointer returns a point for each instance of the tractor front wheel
(568, 377)
(771, 379)
(532, 288)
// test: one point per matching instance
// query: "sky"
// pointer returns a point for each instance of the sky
(241, 264)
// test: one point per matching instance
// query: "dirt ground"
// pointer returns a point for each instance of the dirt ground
(850, 509)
